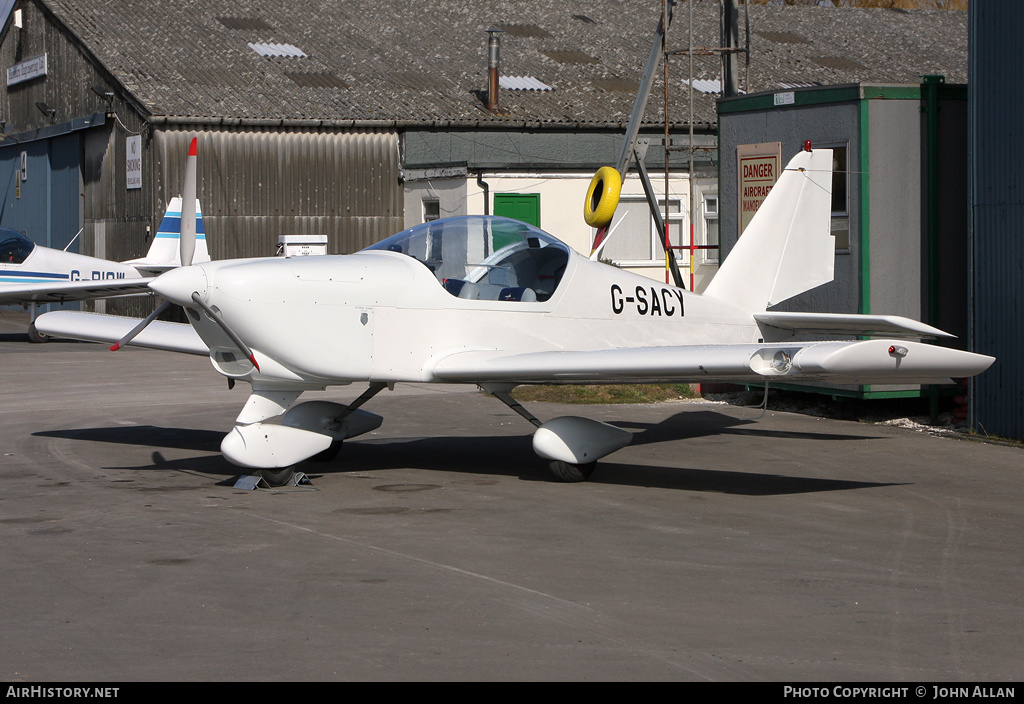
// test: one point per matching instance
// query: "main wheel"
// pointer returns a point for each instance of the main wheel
(572, 472)
(36, 336)
(277, 477)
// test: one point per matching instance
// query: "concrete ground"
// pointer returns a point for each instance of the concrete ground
(719, 546)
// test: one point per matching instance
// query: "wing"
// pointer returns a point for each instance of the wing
(73, 291)
(95, 327)
(855, 362)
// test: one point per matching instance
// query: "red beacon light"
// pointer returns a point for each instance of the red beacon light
(807, 146)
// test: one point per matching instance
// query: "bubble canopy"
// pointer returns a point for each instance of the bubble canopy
(484, 257)
(14, 246)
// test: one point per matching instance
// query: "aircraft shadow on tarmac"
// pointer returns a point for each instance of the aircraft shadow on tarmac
(512, 455)
(694, 424)
(191, 439)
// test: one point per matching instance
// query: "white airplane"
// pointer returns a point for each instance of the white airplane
(498, 303)
(31, 274)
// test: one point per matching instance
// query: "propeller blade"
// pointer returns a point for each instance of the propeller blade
(188, 208)
(227, 330)
(140, 327)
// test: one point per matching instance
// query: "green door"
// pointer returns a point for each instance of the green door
(521, 206)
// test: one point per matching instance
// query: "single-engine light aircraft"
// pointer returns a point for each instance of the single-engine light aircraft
(31, 274)
(498, 303)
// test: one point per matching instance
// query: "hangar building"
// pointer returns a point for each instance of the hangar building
(356, 119)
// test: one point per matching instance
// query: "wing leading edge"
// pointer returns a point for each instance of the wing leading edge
(854, 362)
(73, 291)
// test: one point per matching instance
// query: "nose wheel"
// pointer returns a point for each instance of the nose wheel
(281, 476)
(568, 472)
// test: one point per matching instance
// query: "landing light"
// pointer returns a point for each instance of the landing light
(782, 362)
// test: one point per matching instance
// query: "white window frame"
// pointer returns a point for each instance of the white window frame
(677, 218)
(709, 256)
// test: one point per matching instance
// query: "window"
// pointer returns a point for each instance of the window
(709, 235)
(14, 246)
(840, 197)
(431, 209)
(635, 241)
(485, 258)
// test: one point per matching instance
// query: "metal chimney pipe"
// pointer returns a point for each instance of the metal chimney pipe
(493, 52)
(731, 42)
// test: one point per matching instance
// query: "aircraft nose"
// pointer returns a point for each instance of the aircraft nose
(178, 285)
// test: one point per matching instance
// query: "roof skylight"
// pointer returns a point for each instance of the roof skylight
(277, 50)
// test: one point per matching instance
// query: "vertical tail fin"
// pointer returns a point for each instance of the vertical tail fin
(787, 248)
(165, 250)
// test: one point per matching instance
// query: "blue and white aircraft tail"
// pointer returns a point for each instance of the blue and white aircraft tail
(165, 250)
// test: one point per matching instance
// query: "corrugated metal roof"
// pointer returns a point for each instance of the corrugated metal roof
(153, 48)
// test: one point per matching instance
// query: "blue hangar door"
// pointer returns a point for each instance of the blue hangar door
(41, 183)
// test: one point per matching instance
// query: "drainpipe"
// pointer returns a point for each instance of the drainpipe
(487, 192)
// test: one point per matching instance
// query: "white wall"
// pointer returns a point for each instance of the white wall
(561, 210)
(561, 207)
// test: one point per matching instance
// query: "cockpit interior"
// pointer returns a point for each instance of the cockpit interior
(483, 257)
(14, 246)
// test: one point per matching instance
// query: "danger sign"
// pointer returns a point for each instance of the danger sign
(758, 167)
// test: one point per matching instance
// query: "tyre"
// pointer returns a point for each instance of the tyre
(277, 477)
(35, 336)
(567, 472)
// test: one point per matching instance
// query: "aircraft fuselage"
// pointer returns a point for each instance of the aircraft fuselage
(44, 266)
(383, 316)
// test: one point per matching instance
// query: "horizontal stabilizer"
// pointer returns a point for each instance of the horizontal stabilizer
(95, 327)
(840, 324)
(852, 362)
